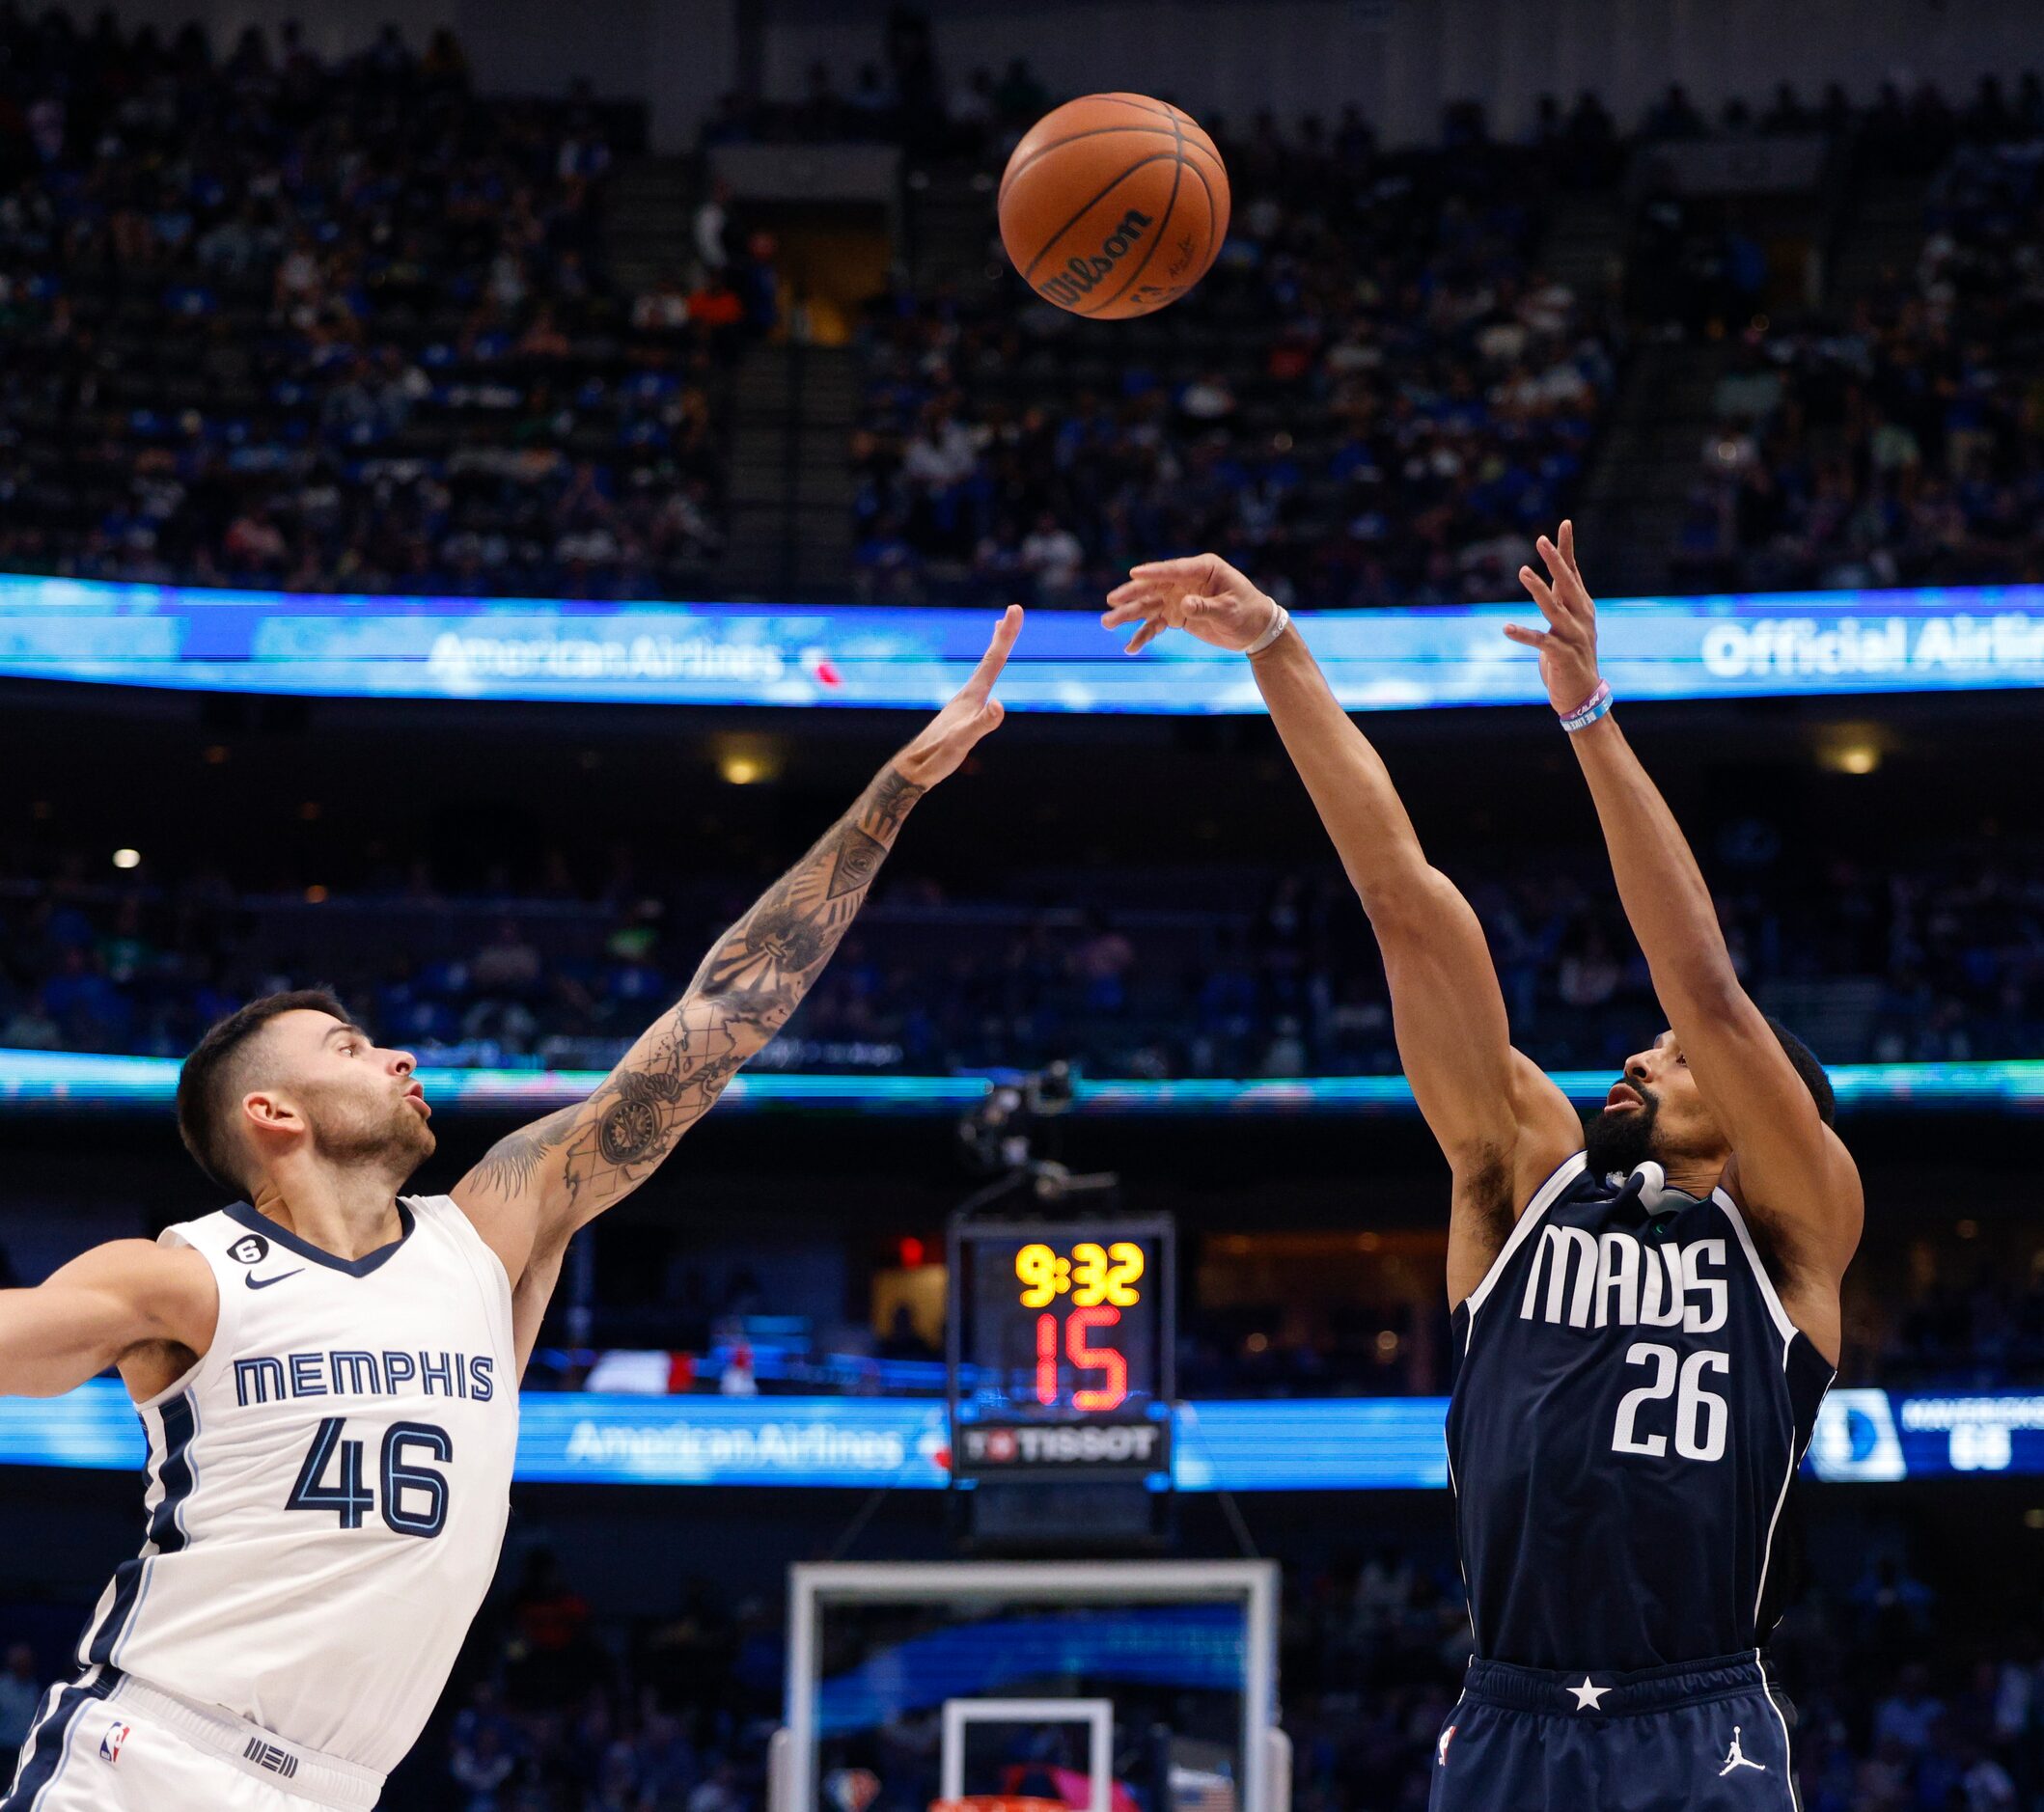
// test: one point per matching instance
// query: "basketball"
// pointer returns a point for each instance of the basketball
(1114, 205)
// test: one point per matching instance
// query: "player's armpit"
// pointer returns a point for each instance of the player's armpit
(104, 1304)
(1787, 1166)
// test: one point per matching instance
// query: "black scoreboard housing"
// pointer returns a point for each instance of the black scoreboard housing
(1057, 1428)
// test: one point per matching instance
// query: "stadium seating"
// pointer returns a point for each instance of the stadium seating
(1231, 974)
(1894, 438)
(1377, 396)
(288, 324)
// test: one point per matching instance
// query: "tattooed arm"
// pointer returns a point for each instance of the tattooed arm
(534, 1189)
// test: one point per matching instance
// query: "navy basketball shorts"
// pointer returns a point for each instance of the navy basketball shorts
(1703, 1737)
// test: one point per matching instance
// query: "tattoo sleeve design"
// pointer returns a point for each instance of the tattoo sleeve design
(745, 991)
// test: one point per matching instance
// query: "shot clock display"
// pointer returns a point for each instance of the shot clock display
(1062, 1346)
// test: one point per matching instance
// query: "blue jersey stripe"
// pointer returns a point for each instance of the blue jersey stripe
(166, 1531)
(47, 1741)
(180, 1422)
(127, 1587)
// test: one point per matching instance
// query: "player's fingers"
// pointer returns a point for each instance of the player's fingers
(1142, 590)
(1542, 593)
(1127, 612)
(1527, 637)
(1568, 593)
(990, 715)
(1568, 546)
(1168, 570)
(995, 658)
(1144, 636)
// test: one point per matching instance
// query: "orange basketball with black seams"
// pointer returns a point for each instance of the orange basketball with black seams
(1114, 205)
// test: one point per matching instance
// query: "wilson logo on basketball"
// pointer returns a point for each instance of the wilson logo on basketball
(1081, 276)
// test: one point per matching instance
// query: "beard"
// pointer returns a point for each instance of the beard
(1618, 1139)
(398, 1141)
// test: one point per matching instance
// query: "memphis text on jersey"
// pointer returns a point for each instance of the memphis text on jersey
(336, 1372)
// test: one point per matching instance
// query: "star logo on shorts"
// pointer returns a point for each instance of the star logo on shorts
(1589, 1699)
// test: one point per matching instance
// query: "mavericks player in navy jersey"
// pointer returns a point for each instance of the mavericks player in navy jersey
(1646, 1312)
(327, 1371)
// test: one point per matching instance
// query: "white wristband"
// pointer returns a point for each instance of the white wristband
(1279, 621)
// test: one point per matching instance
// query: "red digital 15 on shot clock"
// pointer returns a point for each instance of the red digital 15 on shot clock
(1062, 1340)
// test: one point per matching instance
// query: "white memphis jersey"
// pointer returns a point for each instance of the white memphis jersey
(327, 1486)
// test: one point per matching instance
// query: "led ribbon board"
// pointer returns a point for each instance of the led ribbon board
(1745, 645)
(63, 1081)
(1338, 1444)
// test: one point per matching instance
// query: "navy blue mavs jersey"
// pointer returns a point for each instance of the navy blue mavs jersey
(1630, 1405)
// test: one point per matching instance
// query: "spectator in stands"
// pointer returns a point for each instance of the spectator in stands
(1369, 446)
(1944, 960)
(1893, 443)
(481, 1768)
(20, 1694)
(370, 345)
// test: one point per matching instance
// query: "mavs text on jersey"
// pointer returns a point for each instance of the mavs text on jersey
(1631, 1402)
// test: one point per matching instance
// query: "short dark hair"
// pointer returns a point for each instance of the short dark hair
(1809, 1069)
(214, 1078)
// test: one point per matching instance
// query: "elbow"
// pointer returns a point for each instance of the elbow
(749, 1024)
(1407, 901)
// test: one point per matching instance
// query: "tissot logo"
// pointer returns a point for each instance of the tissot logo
(251, 1248)
(1117, 1443)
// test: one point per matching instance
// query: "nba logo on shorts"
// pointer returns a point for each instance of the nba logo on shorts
(110, 1743)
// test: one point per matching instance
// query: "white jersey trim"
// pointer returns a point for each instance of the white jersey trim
(1455, 1490)
(227, 1325)
(1788, 1756)
(1767, 1552)
(1543, 1198)
(1786, 1328)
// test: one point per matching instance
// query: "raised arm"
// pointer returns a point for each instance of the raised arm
(147, 1309)
(533, 1189)
(1501, 1123)
(1786, 1165)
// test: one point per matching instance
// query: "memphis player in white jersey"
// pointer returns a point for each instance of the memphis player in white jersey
(328, 1371)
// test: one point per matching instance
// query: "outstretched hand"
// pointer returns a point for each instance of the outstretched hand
(1568, 646)
(950, 736)
(1202, 594)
